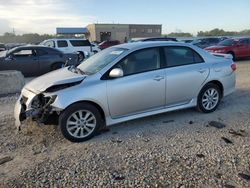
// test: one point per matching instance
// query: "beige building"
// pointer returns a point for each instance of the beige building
(122, 32)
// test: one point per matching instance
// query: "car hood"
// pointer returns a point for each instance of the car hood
(58, 77)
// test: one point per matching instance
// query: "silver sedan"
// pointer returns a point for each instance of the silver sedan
(126, 82)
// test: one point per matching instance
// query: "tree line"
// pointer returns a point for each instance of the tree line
(34, 38)
(31, 38)
(214, 32)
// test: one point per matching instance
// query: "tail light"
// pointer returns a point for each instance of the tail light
(233, 66)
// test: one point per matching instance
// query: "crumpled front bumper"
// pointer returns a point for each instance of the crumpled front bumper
(17, 113)
(33, 105)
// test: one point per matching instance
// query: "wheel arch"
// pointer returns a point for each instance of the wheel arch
(218, 83)
(233, 54)
(99, 108)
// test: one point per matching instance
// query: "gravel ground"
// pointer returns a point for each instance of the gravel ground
(177, 149)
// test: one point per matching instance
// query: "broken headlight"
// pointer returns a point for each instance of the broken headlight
(40, 101)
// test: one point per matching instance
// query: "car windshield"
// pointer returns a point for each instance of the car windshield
(98, 61)
(11, 50)
(227, 42)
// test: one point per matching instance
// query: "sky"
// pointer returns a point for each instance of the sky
(43, 16)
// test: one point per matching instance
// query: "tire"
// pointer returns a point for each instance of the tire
(56, 66)
(77, 129)
(81, 56)
(206, 96)
(232, 55)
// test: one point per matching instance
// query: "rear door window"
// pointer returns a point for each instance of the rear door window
(62, 43)
(178, 56)
(78, 43)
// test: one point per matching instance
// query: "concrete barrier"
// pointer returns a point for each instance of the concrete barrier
(11, 82)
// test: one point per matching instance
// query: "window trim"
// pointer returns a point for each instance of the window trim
(162, 64)
(165, 59)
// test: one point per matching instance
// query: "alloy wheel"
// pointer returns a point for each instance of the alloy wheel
(81, 123)
(210, 98)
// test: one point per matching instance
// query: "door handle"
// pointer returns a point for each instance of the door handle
(202, 70)
(158, 78)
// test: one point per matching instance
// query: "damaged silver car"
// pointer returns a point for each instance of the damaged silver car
(126, 82)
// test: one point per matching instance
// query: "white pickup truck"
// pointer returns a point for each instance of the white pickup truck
(72, 45)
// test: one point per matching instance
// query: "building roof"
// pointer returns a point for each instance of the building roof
(124, 24)
(71, 30)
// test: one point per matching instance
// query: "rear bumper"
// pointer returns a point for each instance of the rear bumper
(229, 83)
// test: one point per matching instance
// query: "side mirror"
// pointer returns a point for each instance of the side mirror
(116, 73)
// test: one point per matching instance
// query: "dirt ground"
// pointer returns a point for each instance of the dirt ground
(178, 149)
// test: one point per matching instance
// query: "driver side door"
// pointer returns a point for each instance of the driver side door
(24, 60)
(141, 88)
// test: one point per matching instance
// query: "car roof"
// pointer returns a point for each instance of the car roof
(36, 47)
(158, 38)
(239, 38)
(66, 39)
(136, 45)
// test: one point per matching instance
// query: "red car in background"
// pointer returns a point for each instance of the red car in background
(237, 47)
(106, 44)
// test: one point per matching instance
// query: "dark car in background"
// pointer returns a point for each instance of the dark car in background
(35, 60)
(106, 44)
(237, 47)
(2, 47)
(206, 42)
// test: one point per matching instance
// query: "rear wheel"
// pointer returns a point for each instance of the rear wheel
(80, 122)
(209, 98)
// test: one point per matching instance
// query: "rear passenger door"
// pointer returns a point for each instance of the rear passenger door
(185, 73)
(63, 46)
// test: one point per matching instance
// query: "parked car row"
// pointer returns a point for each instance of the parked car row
(35, 60)
(237, 47)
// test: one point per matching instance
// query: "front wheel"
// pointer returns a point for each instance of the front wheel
(209, 98)
(80, 122)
